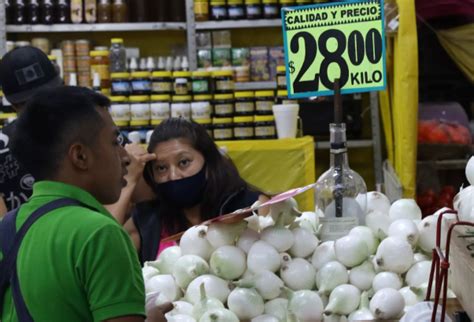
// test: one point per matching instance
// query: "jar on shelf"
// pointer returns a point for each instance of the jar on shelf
(236, 9)
(160, 108)
(242, 74)
(182, 83)
(104, 11)
(119, 11)
(224, 105)
(100, 65)
(244, 103)
(287, 3)
(201, 107)
(140, 83)
(181, 106)
(222, 128)
(120, 110)
(161, 83)
(201, 10)
(223, 81)
(304, 2)
(201, 82)
(243, 128)
(271, 9)
(139, 110)
(207, 123)
(282, 97)
(264, 101)
(218, 10)
(281, 77)
(265, 127)
(120, 84)
(82, 47)
(253, 9)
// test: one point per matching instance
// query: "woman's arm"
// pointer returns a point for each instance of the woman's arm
(133, 232)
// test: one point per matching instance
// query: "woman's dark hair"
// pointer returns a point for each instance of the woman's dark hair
(223, 178)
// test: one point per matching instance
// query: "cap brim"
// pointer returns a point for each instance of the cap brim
(23, 97)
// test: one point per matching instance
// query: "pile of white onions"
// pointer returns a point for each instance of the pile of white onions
(276, 269)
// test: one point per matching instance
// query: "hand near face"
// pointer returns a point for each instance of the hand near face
(138, 158)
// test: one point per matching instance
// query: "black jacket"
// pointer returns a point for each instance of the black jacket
(146, 217)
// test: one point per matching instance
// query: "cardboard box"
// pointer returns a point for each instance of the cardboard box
(221, 57)
(276, 58)
(240, 57)
(204, 58)
(462, 267)
(259, 70)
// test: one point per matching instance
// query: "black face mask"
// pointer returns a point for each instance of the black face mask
(184, 193)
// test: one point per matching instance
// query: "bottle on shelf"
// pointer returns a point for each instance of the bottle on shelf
(32, 10)
(18, 12)
(46, 12)
(176, 10)
(118, 56)
(133, 65)
(161, 63)
(161, 9)
(96, 83)
(63, 11)
(184, 63)
(169, 63)
(177, 63)
(72, 79)
(143, 64)
(104, 11)
(8, 12)
(139, 11)
(119, 11)
(150, 64)
(340, 191)
(90, 11)
(76, 11)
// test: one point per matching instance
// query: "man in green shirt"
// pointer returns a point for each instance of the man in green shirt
(75, 263)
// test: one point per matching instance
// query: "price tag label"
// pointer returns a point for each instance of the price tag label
(344, 40)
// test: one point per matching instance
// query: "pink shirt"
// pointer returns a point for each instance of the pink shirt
(164, 245)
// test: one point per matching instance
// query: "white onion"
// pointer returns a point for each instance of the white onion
(470, 170)
(306, 305)
(245, 303)
(187, 268)
(323, 254)
(377, 201)
(418, 274)
(395, 255)
(409, 296)
(219, 315)
(280, 238)
(362, 276)
(378, 222)
(166, 260)
(214, 286)
(219, 234)
(268, 284)
(351, 250)
(228, 262)
(330, 276)
(464, 204)
(368, 236)
(181, 308)
(309, 220)
(404, 209)
(277, 307)
(148, 272)
(265, 318)
(262, 256)
(343, 300)
(387, 304)
(205, 304)
(305, 242)
(386, 280)
(334, 318)
(166, 286)
(298, 274)
(427, 229)
(363, 313)
(418, 257)
(194, 242)
(284, 212)
(406, 229)
(180, 318)
(247, 239)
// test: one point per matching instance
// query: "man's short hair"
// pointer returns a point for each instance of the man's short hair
(53, 120)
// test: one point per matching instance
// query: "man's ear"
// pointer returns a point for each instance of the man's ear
(80, 156)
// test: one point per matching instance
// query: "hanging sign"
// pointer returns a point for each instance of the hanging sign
(344, 40)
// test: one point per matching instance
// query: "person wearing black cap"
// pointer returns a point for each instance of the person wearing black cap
(23, 72)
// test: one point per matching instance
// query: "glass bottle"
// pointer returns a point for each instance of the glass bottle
(90, 11)
(120, 11)
(177, 12)
(341, 193)
(162, 10)
(118, 57)
(8, 12)
(63, 11)
(47, 12)
(18, 12)
(139, 11)
(104, 11)
(32, 12)
(76, 11)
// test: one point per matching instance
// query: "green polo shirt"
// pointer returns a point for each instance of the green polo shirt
(75, 264)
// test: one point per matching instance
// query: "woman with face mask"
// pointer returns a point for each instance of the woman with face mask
(193, 182)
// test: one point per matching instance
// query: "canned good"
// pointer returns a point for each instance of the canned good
(120, 110)
(161, 83)
(83, 64)
(223, 105)
(265, 127)
(236, 9)
(83, 47)
(140, 83)
(181, 107)
(281, 77)
(201, 108)
(182, 75)
(139, 110)
(68, 48)
(222, 128)
(120, 84)
(160, 108)
(243, 128)
(223, 81)
(271, 9)
(264, 101)
(201, 82)
(244, 103)
(69, 64)
(84, 79)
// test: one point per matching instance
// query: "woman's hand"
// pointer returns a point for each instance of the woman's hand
(138, 159)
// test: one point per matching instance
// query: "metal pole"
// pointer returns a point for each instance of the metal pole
(191, 34)
(377, 141)
(3, 29)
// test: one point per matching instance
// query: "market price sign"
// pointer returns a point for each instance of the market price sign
(344, 40)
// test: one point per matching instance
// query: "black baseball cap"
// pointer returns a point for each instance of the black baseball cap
(24, 71)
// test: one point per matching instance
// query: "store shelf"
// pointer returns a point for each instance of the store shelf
(98, 27)
(457, 164)
(250, 86)
(238, 24)
(324, 145)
